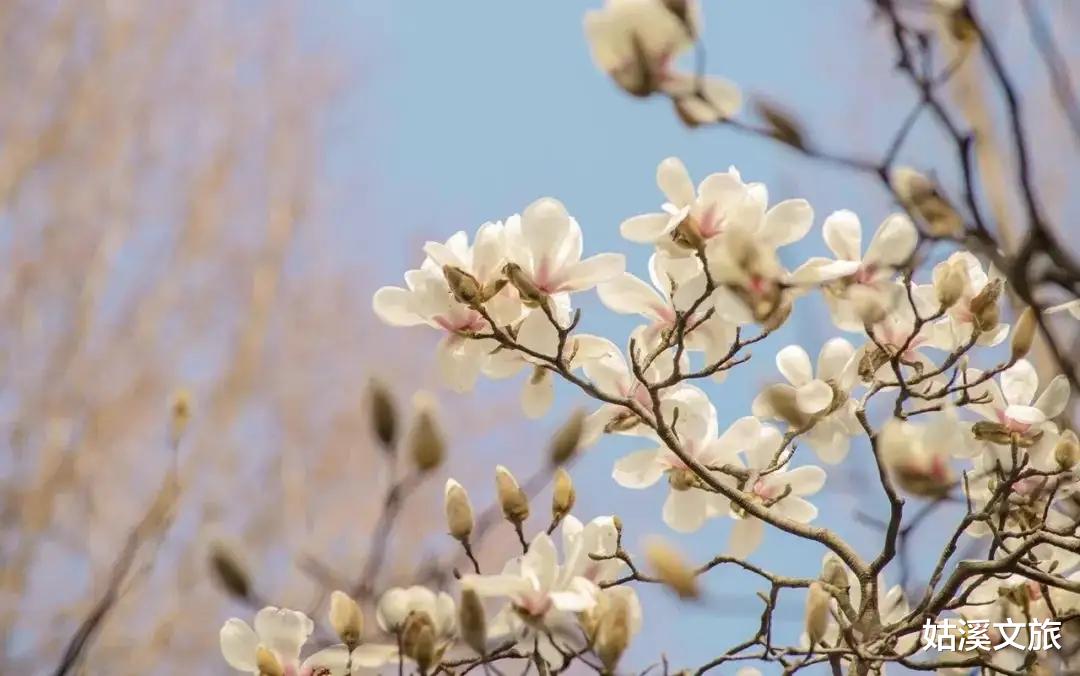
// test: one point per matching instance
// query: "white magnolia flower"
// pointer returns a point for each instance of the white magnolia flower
(281, 631)
(956, 327)
(544, 599)
(677, 283)
(894, 329)
(917, 454)
(722, 201)
(1010, 402)
(545, 245)
(688, 504)
(580, 542)
(636, 41)
(781, 491)
(827, 396)
(853, 275)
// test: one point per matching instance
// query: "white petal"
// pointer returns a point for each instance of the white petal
(788, 222)
(646, 228)
(591, 271)
(814, 396)
(459, 364)
(1055, 397)
(817, 270)
(374, 655)
(843, 235)
(832, 359)
(794, 364)
(741, 434)
(1019, 383)
(537, 395)
(545, 225)
(1028, 415)
(239, 645)
(745, 538)
(640, 469)
(495, 585)
(393, 305)
(685, 511)
(893, 243)
(805, 480)
(335, 658)
(284, 631)
(797, 509)
(674, 181)
(626, 294)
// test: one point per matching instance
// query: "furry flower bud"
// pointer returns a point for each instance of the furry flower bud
(984, 306)
(835, 573)
(567, 439)
(1023, 334)
(473, 621)
(950, 282)
(426, 446)
(514, 502)
(920, 196)
(1067, 450)
(267, 663)
(384, 417)
(562, 496)
(346, 619)
(817, 613)
(613, 633)
(465, 288)
(459, 511)
(530, 294)
(672, 569)
(418, 640)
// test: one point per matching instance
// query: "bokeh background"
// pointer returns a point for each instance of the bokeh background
(202, 197)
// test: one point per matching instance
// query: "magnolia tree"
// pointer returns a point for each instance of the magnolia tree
(913, 377)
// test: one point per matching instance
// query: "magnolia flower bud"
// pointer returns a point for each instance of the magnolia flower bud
(1067, 450)
(984, 306)
(1023, 334)
(418, 640)
(817, 613)
(835, 573)
(459, 511)
(613, 633)
(465, 287)
(567, 440)
(514, 502)
(530, 294)
(180, 414)
(472, 620)
(267, 662)
(346, 619)
(686, 234)
(919, 195)
(426, 446)
(229, 571)
(950, 284)
(562, 496)
(384, 418)
(917, 469)
(673, 571)
(781, 399)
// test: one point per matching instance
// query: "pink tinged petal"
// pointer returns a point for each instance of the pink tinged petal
(805, 480)
(591, 271)
(833, 358)
(674, 181)
(788, 222)
(393, 305)
(893, 243)
(239, 645)
(335, 659)
(646, 228)
(794, 364)
(1019, 383)
(640, 469)
(1026, 415)
(374, 655)
(545, 225)
(746, 536)
(843, 235)
(626, 294)
(1055, 397)
(685, 511)
(537, 397)
(284, 631)
(495, 585)
(444, 254)
(818, 270)
(814, 396)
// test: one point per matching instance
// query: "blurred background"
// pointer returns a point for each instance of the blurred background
(197, 200)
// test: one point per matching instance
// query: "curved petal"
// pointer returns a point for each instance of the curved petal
(333, 659)
(393, 305)
(284, 631)
(1055, 397)
(794, 364)
(805, 480)
(797, 509)
(685, 511)
(814, 396)
(740, 435)
(537, 394)
(1019, 383)
(459, 365)
(646, 228)
(545, 226)
(674, 181)
(834, 356)
(374, 655)
(843, 235)
(1028, 415)
(495, 585)
(788, 222)
(816, 270)
(591, 271)
(640, 469)
(746, 536)
(893, 243)
(239, 645)
(626, 294)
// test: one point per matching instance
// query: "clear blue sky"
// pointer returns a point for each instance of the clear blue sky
(466, 112)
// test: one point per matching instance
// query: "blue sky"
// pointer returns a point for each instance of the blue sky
(465, 113)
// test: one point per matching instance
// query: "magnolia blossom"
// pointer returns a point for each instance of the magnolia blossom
(823, 403)
(689, 504)
(858, 278)
(918, 455)
(894, 330)
(543, 599)
(281, 631)
(599, 537)
(781, 491)
(958, 325)
(1009, 406)
(636, 41)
